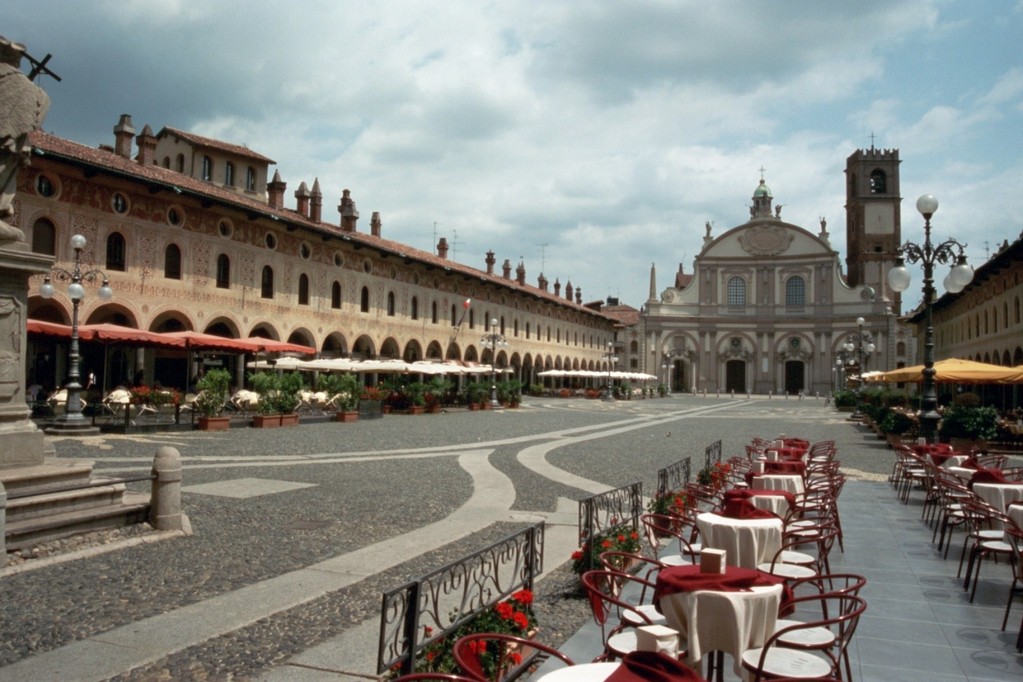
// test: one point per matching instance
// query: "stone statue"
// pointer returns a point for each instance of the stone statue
(22, 108)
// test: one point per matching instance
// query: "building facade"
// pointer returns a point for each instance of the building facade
(193, 234)
(767, 309)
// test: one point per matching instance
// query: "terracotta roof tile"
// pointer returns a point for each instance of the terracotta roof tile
(210, 143)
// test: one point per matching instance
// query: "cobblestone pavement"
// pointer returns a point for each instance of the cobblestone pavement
(364, 482)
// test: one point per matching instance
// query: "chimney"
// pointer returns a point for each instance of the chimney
(557, 287)
(147, 146)
(568, 290)
(542, 282)
(520, 273)
(442, 248)
(349, 216)
(123, 134)
(316, 202)
(275, 191)
(375, 224)
(490, 262)
(579, 295)
(506, 268)
(302, 200)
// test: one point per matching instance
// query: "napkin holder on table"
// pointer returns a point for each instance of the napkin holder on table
(657, 638)
(772, 455)
(712, 560)
(758, 467)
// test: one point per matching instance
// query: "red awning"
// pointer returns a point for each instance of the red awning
(273, 346)
(201, 341)
(127, 335)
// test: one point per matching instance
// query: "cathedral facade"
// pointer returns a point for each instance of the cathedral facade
(767, 309)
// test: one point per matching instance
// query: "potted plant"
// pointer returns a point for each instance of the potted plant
(896, 426)
(290, 386)
(475, 393)
(211, 400)
(414, 397)
(509, 392)
(278, 398)
(344, 391)
(966, 426)
(619, 537)
(436, 388)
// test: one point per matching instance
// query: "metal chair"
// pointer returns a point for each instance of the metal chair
(507, 653)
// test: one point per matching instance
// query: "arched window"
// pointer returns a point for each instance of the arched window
(737, 293)
(335, 295)
(433, 312)
(223, 271)
(250, 179)
(303, 289)
(179, 163)
(515, 328)
(414, 308)
(878, 182)
(364, 300)
(634, 347)
(115, 252)
(172, 262)
(44, 237)
(229, 174)
(390, 304)
(472, 319)
(795, 292)
(527, 330)
(207, 168)
(266, 282)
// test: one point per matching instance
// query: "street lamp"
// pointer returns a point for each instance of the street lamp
(862, 344)
(948, 252)
(495, 339)
(73, 421)
(669, 361)
(611, 359)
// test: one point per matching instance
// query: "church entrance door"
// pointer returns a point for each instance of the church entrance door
(794, 377)
(735, 376)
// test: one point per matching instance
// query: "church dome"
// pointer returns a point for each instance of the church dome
(762, 190)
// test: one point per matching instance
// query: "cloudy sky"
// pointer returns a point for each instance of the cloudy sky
(587, 139)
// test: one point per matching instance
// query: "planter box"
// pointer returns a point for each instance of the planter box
(416, 409)
(266, 421)
(352, 416)
(371, 409)
(474, 407)
(214, 423)
(289, 419)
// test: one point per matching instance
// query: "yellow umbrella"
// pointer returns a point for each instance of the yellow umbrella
(957, 371)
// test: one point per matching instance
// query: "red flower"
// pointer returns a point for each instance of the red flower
(577, 555)
(478, 647)
(431, 654)
(515, 658)
(606, 544)
(521, 620)
(524, 597)
(621, 538)
(505, 610)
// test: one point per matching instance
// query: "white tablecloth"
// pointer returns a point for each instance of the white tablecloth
(748, 542)
(583, 672)
(776, 504)
(998, 495)
(787, 482)
(1015, 512)
(722, 621)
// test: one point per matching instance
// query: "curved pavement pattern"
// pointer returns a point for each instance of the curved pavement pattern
(353, 654)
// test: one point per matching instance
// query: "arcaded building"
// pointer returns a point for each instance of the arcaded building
(767, 308)
(194, 234)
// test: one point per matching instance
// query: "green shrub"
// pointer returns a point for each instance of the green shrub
(974, 423)
(844, 398)
(898, 423)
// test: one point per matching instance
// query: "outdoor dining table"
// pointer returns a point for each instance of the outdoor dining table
(747, 542)
(729, 612)
(786, 453)
(628, 670)
(792, 483)
(1000, 495)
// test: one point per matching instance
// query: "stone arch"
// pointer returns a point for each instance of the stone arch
(334, 345)
(302, 336)
(413, 351)
(171, 321)
(454, 352)
(364, 347)
(389, 348)
(265, 330)
(434, 351)
(112, 313)
(222, 326)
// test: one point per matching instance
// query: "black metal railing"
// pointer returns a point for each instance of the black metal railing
(600, 512)
(454, 594)
(674, 476)
(712, 454)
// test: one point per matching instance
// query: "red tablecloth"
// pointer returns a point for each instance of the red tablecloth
(747, 493)
(742, 508)
(688, 578)
(796, 443)
(649, 666)
(789, 453)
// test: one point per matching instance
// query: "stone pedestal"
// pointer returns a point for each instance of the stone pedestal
(21, 443)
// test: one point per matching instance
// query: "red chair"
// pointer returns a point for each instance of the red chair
(507, 653)
(796, 651)
(437, 677)
(614, 614)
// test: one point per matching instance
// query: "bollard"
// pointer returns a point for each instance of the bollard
(3, 518)
(747, 395)
(770, 394)
(165, 504)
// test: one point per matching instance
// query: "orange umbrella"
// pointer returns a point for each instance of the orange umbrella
(956, 371)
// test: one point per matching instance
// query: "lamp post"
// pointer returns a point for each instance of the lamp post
(611, 359)
(947, 252)
(669, 361)
(73, 422)
(862, 345)
(495, 339)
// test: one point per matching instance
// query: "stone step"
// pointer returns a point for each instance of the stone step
(52, 476)
(132, 509)
(51, 503)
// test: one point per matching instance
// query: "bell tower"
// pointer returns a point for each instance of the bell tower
(872, 219)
